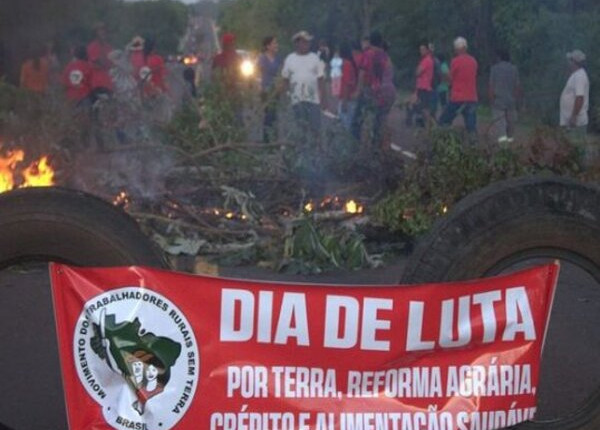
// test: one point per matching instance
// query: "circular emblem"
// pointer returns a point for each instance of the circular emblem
(136, 355)
(75, 77)
(145, 73)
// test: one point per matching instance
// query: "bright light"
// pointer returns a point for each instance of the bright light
(190, 60)
(247, 68)
(352, 207)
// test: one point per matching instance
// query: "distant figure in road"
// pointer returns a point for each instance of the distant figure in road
(269, 65)
(304, 77)
(504, 90)
(98, 55)
(35, 73)
(574, 100)
(463, 88)
(77, 76)
(424, 84)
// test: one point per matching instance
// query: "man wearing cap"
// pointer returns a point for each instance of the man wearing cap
(463, 88)
(574, 100)
(303, 73)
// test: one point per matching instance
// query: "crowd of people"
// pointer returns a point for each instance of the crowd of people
(97, 69)
(361, 78)
(346, 83)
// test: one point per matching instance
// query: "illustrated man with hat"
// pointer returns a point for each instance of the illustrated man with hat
(574, 100)
(304, 77)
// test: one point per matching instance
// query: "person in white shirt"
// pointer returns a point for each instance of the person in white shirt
(304, 77)
(574, 100)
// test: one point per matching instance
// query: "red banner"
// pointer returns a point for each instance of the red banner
(155, 350)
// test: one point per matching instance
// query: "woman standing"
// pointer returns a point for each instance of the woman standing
(349, 85)
(269, 64)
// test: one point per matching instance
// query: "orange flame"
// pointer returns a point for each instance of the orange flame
(352, 207)
(38, 174)
(7, 167)
(122, 199)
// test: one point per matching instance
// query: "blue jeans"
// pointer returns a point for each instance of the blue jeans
(308, 115)
(347, 116)
(468, 111)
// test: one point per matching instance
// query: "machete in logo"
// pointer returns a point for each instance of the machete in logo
(136, 355)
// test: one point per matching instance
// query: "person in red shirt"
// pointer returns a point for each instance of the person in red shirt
(34, 74)
(135, 50)
(376, 88)
(424, 83)
(226, 64)
(97, 52)
(463, 88)
(77, 76)
(152, 74)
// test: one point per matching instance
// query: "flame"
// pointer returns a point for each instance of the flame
(309, 207)
(444, 209)
(38, 174)
(122, 199)
(352, 207)
(229, 215)
(7, 167)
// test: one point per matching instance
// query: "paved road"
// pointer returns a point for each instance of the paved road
(32, 396)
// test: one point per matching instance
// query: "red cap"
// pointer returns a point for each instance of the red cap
(228, 39)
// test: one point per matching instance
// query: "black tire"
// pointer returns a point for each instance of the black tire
(70, 226)
(509, 221)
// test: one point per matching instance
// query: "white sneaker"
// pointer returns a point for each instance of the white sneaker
(503, 139)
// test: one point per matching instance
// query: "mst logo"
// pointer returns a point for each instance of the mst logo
(136, 355)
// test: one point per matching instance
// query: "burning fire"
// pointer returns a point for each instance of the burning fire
(337, 204)
(352, 207)
(38, 174)
(122, 199)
